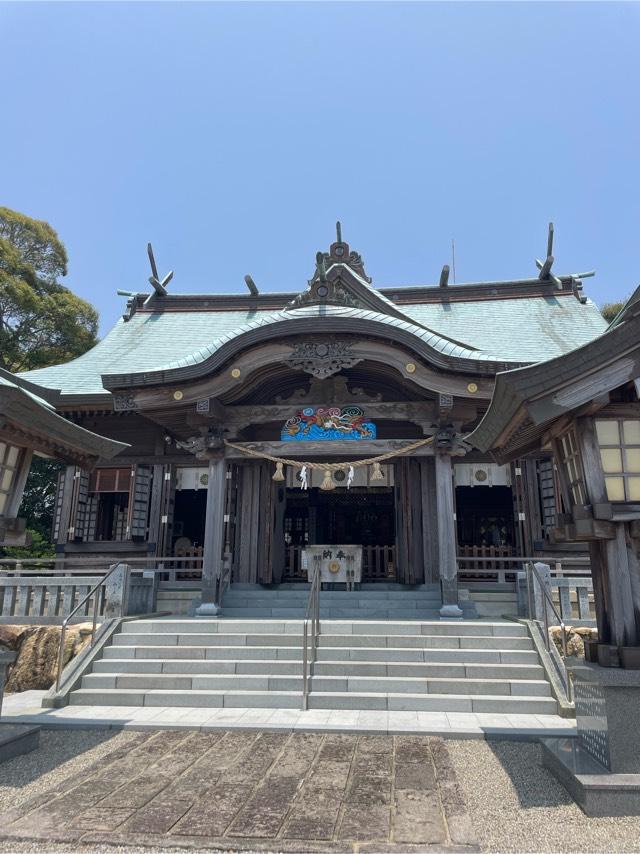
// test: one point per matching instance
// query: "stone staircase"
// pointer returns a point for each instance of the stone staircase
(376, 601)
(465, 666)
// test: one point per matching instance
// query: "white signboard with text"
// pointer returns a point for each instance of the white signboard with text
(338, 564)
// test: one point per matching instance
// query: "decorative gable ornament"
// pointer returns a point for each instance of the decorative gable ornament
(325, 288)
(322, 359)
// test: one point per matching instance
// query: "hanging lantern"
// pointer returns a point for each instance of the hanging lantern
(278, 474)
(377, 472)
(327, 483)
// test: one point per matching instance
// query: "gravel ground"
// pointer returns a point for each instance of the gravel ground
(517, 805)
(62, 753)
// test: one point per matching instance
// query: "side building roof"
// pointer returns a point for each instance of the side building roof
(28, 418)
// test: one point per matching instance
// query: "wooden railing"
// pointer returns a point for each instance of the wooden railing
(483, 558)
(378, 563)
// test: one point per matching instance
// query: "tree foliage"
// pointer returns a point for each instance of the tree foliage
(37, 508)
(610, 309)
(41, 321)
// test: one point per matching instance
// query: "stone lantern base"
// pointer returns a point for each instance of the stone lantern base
(601, 768)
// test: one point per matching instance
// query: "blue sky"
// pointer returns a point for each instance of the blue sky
(234, 135)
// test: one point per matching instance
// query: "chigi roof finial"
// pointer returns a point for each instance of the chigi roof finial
(159, 286)
(338, 232)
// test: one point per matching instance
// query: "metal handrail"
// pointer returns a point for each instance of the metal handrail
(530, 568)
(66, 620)
(312, 615)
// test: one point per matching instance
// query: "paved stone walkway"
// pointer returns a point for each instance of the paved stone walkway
(258, 791)
(26, 708)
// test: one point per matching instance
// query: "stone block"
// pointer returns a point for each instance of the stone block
(593, 787)
(17, 739)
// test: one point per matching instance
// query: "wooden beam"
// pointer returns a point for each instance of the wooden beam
(327, 450)
(275, 353)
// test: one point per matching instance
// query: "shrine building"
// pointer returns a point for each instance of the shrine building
(212, 392)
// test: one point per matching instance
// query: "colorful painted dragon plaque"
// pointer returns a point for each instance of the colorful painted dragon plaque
(328, 424)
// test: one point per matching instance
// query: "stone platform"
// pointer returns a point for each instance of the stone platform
(258, 791)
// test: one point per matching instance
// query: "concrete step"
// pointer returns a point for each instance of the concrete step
(350, 684)
(257, 667)
(209, 628)
(427, 654)
(333, 613)
(179, 653)
(374, 586)
(405, 603)
(325, 654)
(320, 700)
(483, 642)
(474, 665)
(192, 699)
(333, 595)
(434, 703)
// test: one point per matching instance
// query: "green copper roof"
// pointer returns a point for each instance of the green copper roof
(517, 330)
(527, 329)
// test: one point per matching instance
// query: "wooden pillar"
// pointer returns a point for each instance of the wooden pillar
(429, 519)
(278, 551)
(213, 536)
(15, 497)
(447, 537)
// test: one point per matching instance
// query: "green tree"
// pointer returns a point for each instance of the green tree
(610, 309)
(41, 321)
(37, 508)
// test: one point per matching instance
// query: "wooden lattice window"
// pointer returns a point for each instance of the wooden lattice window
(619, 443)
(111, 480)
(573, 467)
(9, 462)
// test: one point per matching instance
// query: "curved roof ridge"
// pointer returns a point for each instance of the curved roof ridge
(442, 344)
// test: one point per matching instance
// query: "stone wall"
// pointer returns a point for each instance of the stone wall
(36, 649)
